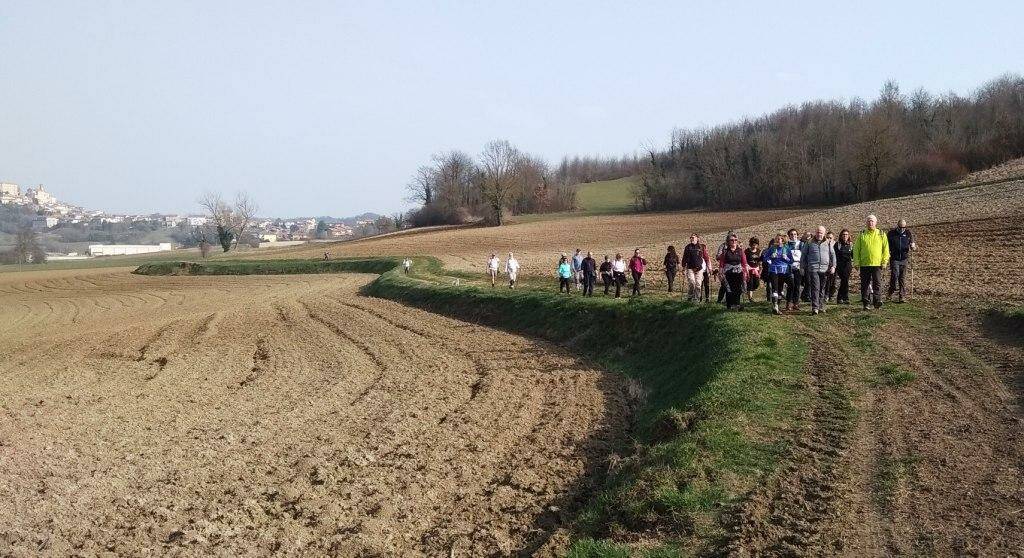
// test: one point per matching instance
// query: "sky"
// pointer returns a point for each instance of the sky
(328, 108)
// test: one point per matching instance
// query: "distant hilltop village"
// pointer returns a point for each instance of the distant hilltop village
(53, 214)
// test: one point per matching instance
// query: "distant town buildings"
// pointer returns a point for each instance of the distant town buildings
(127, 249)
(48, 214)
(43, 223)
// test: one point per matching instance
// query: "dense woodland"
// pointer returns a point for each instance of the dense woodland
(821, 152)
(827, 152)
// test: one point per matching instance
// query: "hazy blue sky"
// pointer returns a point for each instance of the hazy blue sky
(329, 107)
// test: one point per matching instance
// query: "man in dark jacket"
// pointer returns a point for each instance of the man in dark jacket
(901, 242)
(588, 267)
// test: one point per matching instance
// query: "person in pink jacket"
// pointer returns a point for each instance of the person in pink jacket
(637, 265)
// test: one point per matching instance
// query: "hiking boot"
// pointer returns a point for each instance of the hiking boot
(814, 312)
(775, 309)
(866, 306)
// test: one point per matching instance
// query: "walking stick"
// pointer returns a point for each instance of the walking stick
(910, 265)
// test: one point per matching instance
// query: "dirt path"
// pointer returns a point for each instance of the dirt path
(258, 415)
(912, 444)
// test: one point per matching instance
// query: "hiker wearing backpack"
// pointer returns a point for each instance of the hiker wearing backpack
(637, 265)
(706, 269)
(796, 276)
(577, 268)
(606, 274)
(619, 273)
(693, 261)
(733, 263)
(753, 254)
(492, 268)
(671, 266)
(870, 255)
(589, 271)
(818, 261)
(844, 265)
(512, 270)
(901, 242)
(777, 258)
(564, 274)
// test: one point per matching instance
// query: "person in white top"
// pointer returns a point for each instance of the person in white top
(618, 273)
(492, 268)
(512, 270)
(407, 264)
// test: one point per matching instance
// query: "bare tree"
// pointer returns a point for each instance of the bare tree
(454, 172)
(245, 214)
(27, 248)
(423, 185)
(499, 166)
(202, 236)
(231, 221)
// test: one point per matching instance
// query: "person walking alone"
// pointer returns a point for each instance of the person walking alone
(819, 260)
(871, 254)
(637, 265)
(901, 242)
(564, 274)
(733, 263)
(606, 274)
(492, 268)
(619, 273)
(671, 266)
(512, 270)
(589, 270)
(693, 264)
(844, 266)
(777, 258)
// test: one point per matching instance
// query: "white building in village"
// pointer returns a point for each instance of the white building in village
(127, 249)
(43, 223)
(40, 196)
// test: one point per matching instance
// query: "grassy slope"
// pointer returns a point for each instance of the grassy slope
(606, 197)
(719, 390)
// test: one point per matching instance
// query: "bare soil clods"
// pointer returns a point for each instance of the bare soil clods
(258, 415)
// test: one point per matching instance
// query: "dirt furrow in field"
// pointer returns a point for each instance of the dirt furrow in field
(260, 415)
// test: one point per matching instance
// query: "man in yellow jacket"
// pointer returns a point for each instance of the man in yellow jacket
(871, 254)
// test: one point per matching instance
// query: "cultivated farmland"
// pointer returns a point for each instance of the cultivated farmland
(254, 415)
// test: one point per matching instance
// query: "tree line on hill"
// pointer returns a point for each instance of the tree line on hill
(455, 188)
(827, 152)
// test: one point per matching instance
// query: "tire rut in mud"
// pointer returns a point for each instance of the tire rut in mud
(789, 514)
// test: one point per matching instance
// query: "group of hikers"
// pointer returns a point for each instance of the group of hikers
(814, 267)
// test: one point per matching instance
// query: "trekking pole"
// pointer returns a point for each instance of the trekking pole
(910, 264)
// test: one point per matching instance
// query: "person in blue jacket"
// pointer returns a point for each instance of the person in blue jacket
(778, 258)
(565, 274)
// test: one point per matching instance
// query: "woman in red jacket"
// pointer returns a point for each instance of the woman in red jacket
(637, 265)
(733, 263)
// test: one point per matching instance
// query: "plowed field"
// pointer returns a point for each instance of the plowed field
(256, 415)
